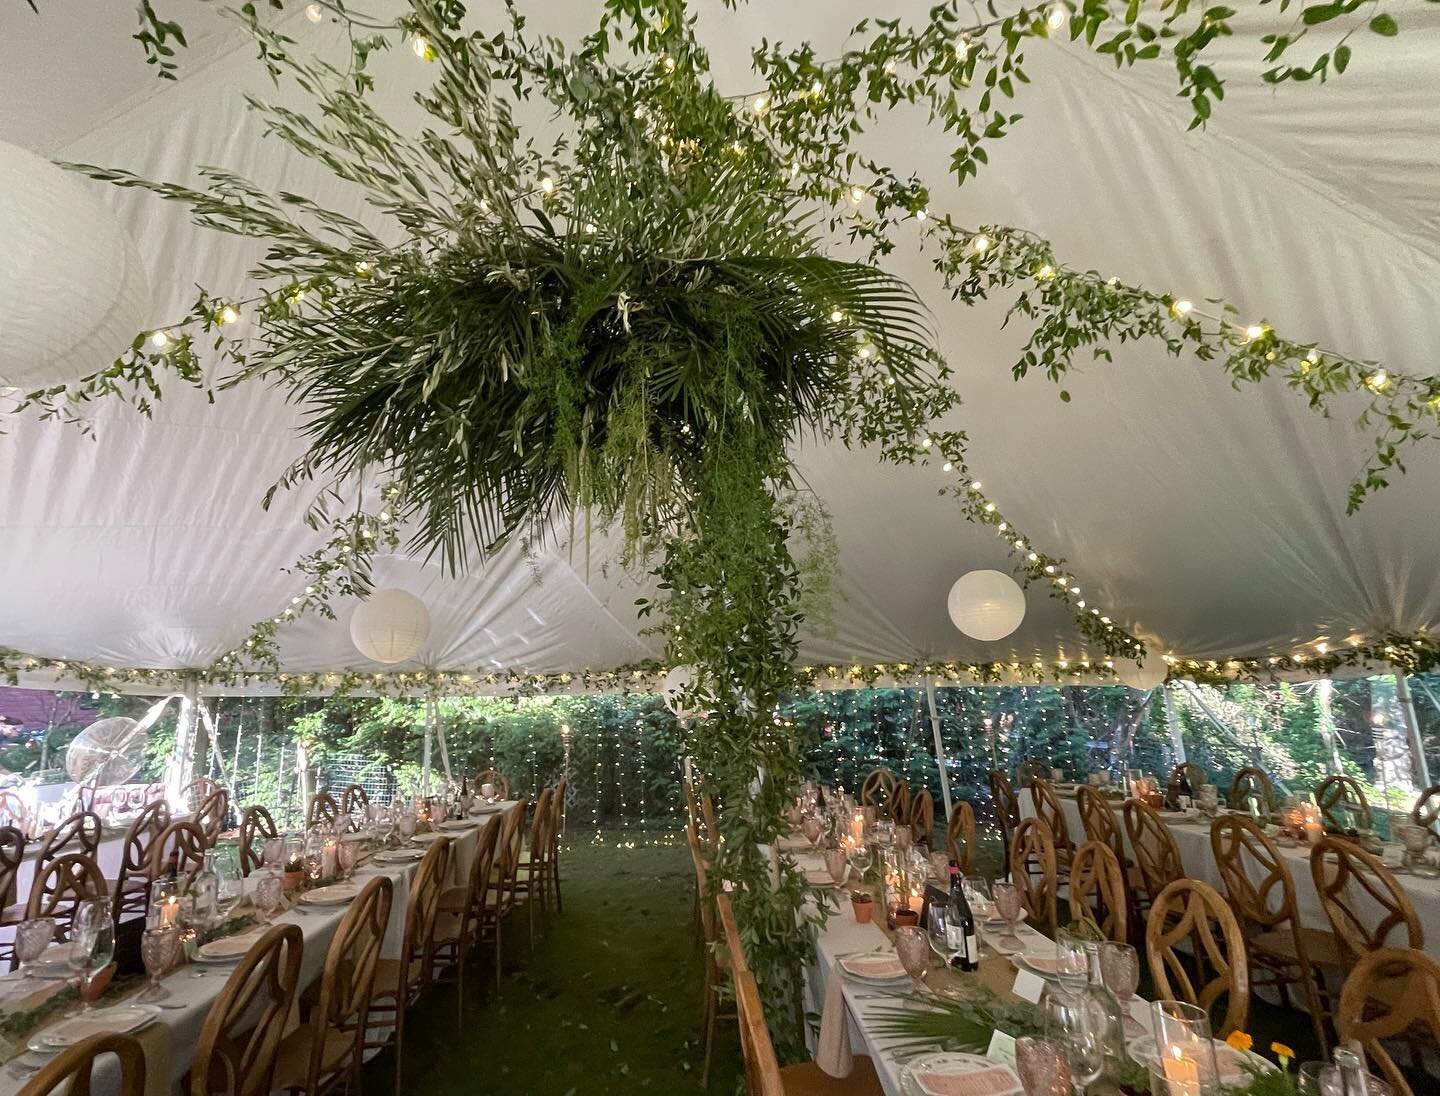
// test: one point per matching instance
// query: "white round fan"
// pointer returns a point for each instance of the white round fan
(109, 751)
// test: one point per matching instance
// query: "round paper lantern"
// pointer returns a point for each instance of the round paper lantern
(72, 290)
(675, 682)
(390, 626)
(986, 605)
(1149, 676)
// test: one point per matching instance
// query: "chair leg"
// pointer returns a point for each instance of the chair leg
(559, 905)
(711, 1015)
(497, 950)
(399, 1036)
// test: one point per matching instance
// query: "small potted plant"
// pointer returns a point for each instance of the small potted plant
(293, 875)
(863, 905)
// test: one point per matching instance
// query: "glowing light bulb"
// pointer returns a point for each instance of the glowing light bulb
(1255, 331)
(921, 214)
(1045, 272)
(947, 467)
(857, 194)
(1377, 380)
(980, 244)
(229, 314)
(925, 443)
(865, 352)
(1182, 307)
(1033, 558)
(962, 48)
(669, 64)
(363, 268)
(761, 104)
(989, 507)
(817, 88)
(547, 184)
(1056, 16)
(890, 66)
(836, 316)
(160, 340)
(314, 12)
(421, 48)
(975, 486)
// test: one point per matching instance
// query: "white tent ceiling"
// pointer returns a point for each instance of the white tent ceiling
(1208, 518)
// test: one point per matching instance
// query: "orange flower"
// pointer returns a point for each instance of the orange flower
(1284, 1053)
(1240, 1041)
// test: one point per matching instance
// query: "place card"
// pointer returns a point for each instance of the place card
(1002, 1048)
(1028, 986)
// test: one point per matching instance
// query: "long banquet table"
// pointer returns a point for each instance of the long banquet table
(1192, 838)
(169, 1042)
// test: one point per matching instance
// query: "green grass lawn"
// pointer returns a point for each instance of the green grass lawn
(609, 1001)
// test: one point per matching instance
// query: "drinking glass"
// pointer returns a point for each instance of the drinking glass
(977, 893)
(159, 949)
(940, 867)
(272, 854)
(406, 825)
(860, 860)
(939, 944)
(92, 945)
(912, 945)
(348, 854)
(1185, 1051)
(314, 854)
(229, 890)
(1333, 1084)
(31, 939)
(1070, 1023)
(268, 894)
(1072, 963)
(1043, 1067)
(1307, 1079)
(1120, 970)
(812, 829)
(1009, 906)
(838, 865)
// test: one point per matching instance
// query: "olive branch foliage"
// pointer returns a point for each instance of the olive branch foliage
(639, 320)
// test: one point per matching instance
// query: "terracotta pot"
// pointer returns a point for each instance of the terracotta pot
(863, 910)
(291, 880)
(907, 917)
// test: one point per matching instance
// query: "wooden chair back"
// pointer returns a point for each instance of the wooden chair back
(238, 1046)
(731, 930)
(1030, 770)
(1338, 795)
(1252, 784)
(702, 885)
(1362, 901)
(1189, 910)
(762, 1069)
(692, 802)
(348, 981)
(960, 836)
(145, 827)
(1426, 811)
(1049, 811)
(197, 791)
(512, 840)
(1391, 994)
(61, 886)
(1097, 890)
(540, 828)
(12, 858)
(418, 947)
(496, 777)
(1191, 772)
(1007, 805)
(1097, 818)
(922, 816)
(83, 798)
(877, 789)
(486, 849)
(256, 828)
(324, 811)
(1257, 881)
(80, 833)
(354, 803)
(1033, 871)
(69, 1072)
(1156, 854)
(213, 814)
(556, 829)
(897, 807)
(184, 839)
(13, 811)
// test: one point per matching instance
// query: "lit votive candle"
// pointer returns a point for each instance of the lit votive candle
(1182, 1073)
(857, 828)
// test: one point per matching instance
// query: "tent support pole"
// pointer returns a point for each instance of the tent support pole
(1323, 690)
(1172, 724)
(425, 753)
(939, 746)
(1418, 765)
(440, 741)
(182, 755)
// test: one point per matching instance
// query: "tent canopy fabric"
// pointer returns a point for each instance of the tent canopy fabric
(1207, 519)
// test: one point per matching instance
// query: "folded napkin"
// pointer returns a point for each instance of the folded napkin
(986, 1082)
(832, 1052)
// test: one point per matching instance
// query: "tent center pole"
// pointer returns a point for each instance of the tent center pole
(1172, 724)
(939, 746)
(1418, 765)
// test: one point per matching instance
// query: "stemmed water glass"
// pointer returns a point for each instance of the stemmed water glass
(269, 892)
(912, 945)
(1072, 962)
(976, 892)
(1009, 907)
(1044, 1070)
(812, 829)
(32, 937)
(1070, 1023)
(838, 865)
(939, 942)
(229, 890)
(159, 949)
(860, 860)
(92, 945)
(406, 824)
(1120, 971)
(348, 853)
(273, 854)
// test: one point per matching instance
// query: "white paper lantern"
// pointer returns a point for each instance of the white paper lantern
(986, 605)
(676, 681)
(73, 294)
(390, 626)
(1149, 676)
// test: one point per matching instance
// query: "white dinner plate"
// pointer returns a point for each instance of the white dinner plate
(229, 948)
(335, 895)
(114, 1020)
(884, 973)
(398, 856)
(457, 824)
(971, 1074)
(426, 838)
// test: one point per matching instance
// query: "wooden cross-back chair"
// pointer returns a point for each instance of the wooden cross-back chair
(879, 789)
(196, 792)
(324, 811)
(1189, 910)
(1392, 994)
(897, 807)
(502, 881)
(1426, 811)
(730, 929)
(1192, 773)
(1342, 872)
(496, 777)
(324, 1052)
(240, 1042)
(1007, 810)
(1048, 810)
(132, 884)
(1157, 857)
(1262, 894)
(960, 836)
(83, 798)
(13, 811)
(532, 873)
(715, 968)
(70, 1072)
(12, 859)
(214, 812)
(1096, 874)
(61, 886)
(184, 839)
(1097, 818)
(557, 831)
(354, 806)
(1033, 871)
(80, 833)
(1252, 784)
(922, 817)
(462, 911)
(399, 983)
(1032, 769)
(1338, 794)
(256, 828)
(763, 1074)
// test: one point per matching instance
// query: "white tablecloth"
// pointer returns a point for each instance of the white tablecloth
(319, 927)
(1193, 841)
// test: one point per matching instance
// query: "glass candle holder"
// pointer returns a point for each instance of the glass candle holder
(1185, 1053)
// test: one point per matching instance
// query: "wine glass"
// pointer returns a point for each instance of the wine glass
(159, 948)
(838, 865)
(1009, 906)
(939, 942)
(314, 854)
(1072, 962)
(92, 945)
(348, 853)
(406, 824)
(1044, 1070)
(1332, 1083)
(268, 894)
(860, 860)
(1307, 1078)
(912, 945)
(1120, 971)
(32, 937)
(272, 854)
(812, 829)
(1070, 1023)
(977, 894)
